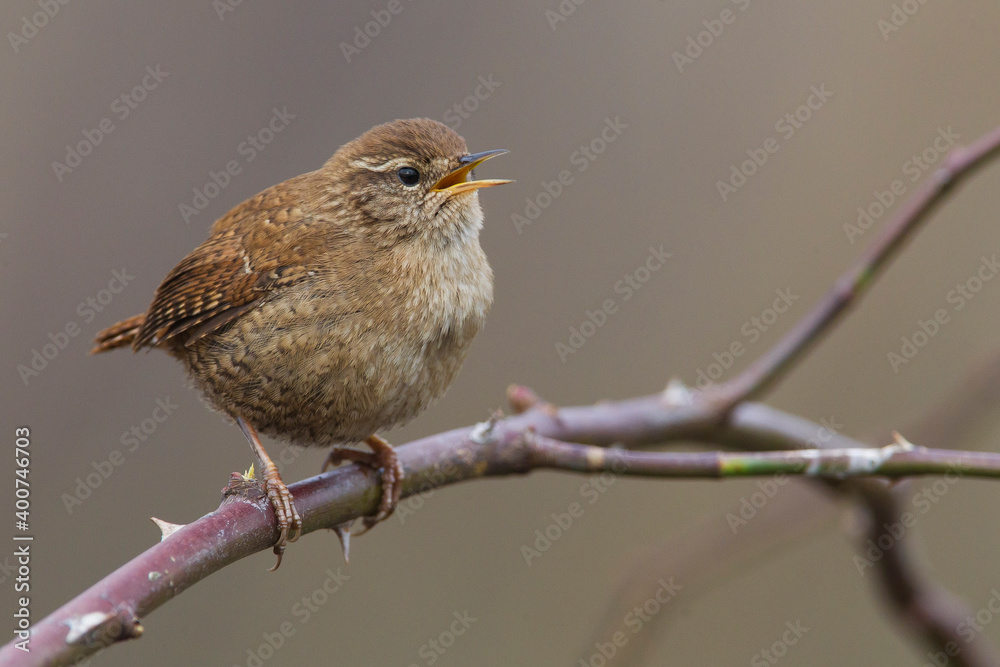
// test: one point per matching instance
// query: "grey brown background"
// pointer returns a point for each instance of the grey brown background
(654, 185)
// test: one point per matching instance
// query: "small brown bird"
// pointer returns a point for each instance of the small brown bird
(335, 304)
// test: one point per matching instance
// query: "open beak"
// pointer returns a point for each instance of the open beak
(455, 182)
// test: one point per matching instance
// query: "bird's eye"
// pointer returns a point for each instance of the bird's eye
(408, 176)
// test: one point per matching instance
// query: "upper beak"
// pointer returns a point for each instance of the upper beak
(455, 182)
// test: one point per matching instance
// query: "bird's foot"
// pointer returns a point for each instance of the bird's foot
(382, 458)
(287, 517)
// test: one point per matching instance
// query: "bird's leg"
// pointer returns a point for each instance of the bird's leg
(289, 522)
(382, 457)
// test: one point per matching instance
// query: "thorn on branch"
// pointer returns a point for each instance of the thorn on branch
(166, 528)
(903, 444)
(343, 532)
(677, 394)
(103, 628)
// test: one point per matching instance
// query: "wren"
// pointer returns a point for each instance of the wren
(335, 304)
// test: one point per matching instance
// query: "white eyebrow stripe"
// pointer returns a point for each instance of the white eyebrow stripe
(385, 166)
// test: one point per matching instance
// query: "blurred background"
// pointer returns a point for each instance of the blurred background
(116, 116)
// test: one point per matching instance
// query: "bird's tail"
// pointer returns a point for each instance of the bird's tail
(118, 335)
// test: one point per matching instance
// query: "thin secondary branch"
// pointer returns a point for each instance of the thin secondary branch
(959, 164)
(901, 459)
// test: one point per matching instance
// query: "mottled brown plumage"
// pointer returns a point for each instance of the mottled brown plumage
(335, 304)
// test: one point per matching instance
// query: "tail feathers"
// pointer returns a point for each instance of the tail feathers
(119, 335)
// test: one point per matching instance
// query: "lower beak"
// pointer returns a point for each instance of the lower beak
(455, 182)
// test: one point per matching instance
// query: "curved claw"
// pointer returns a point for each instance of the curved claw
(279, 551)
